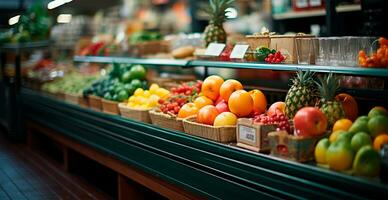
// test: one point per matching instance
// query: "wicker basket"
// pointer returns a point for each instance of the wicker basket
(136, 114)
(83, 101)
(224, 134)
(95, 103)
(71, 98)
(110, 107)
(166, 121)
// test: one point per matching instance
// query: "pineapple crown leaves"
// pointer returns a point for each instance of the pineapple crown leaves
(218, 10)
(328, 86)
(304, 78)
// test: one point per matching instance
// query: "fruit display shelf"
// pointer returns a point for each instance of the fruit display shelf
(356, 71)
(15, 47)
(200, 166)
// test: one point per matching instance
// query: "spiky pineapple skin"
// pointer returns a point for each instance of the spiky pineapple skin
(297, 98)
(214, 33)
(333, 111)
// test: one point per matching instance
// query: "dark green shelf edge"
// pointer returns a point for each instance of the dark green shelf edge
(25, 46)
(358, 71)
(126, 60)
(207, 168)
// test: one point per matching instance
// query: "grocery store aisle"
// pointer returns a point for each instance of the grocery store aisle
(27, 175)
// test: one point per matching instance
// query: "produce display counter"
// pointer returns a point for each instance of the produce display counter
(198, 166)
(355, 71)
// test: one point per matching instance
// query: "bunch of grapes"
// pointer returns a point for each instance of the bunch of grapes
(278, 119)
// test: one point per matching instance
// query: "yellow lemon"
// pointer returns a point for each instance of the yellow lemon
(153, 88)
(138, 92)
(342, 124)
(162, 93)
(131, 99)
(146, 94)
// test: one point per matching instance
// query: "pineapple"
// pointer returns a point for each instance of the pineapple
(301, 94)
(328, 85)
(215, 32)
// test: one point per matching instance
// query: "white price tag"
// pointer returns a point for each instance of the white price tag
(214, 49)
(247, 133)
(239, 51)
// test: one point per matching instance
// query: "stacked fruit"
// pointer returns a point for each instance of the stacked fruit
(119, 84)
(179, 96)
(378, 59)
(222, 102)
(147, 99)
(349, 147)
(279, 119)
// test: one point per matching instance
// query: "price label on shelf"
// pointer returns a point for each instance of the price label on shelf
(239, 51)
(214, 49)
(247, 133)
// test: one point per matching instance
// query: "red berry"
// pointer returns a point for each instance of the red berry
(277, 54)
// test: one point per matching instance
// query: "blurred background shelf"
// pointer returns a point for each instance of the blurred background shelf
(315, 13)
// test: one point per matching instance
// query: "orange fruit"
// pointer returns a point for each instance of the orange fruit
(349, 104)
(342, 124)
(379, 141)
(259, 101)
(240, 103)
(228, 87)
(202, 101)
(189, 109)
(211, 87)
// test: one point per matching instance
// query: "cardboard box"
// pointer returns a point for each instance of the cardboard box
(255, 41)
(286, 44)
(292, 147)
(253, 136)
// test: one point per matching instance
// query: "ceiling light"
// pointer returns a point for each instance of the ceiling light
(64, 18)
(231, 13)
(14, 20)
(57, 3)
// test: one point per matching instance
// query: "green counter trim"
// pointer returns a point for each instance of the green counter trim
(356, 71)
(206, 168)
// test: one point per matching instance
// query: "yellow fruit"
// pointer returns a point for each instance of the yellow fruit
(153, 88)
(153, 101)
(131, 104)
(162, 93)
(342, 124)
(131, 99)
(138, 92)
(146, 94)
(334, 135)
(140, 100)
(320, 151)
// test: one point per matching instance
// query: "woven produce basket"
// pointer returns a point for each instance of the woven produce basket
(110, 107)
(165, 120)
(136, 114)
(83, 101)
(71, 98)
(95, 102)
(224, 134)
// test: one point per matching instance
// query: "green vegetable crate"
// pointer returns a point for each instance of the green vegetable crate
(95, 103)
(292, 147)
(110, 107)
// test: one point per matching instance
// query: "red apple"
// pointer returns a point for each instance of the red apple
(222, 106)
(310, 121)
(207, 114)
(218, 100)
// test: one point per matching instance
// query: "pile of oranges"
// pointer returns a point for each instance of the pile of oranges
(378, 59)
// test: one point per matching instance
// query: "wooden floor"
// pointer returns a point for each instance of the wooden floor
(25, 174)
